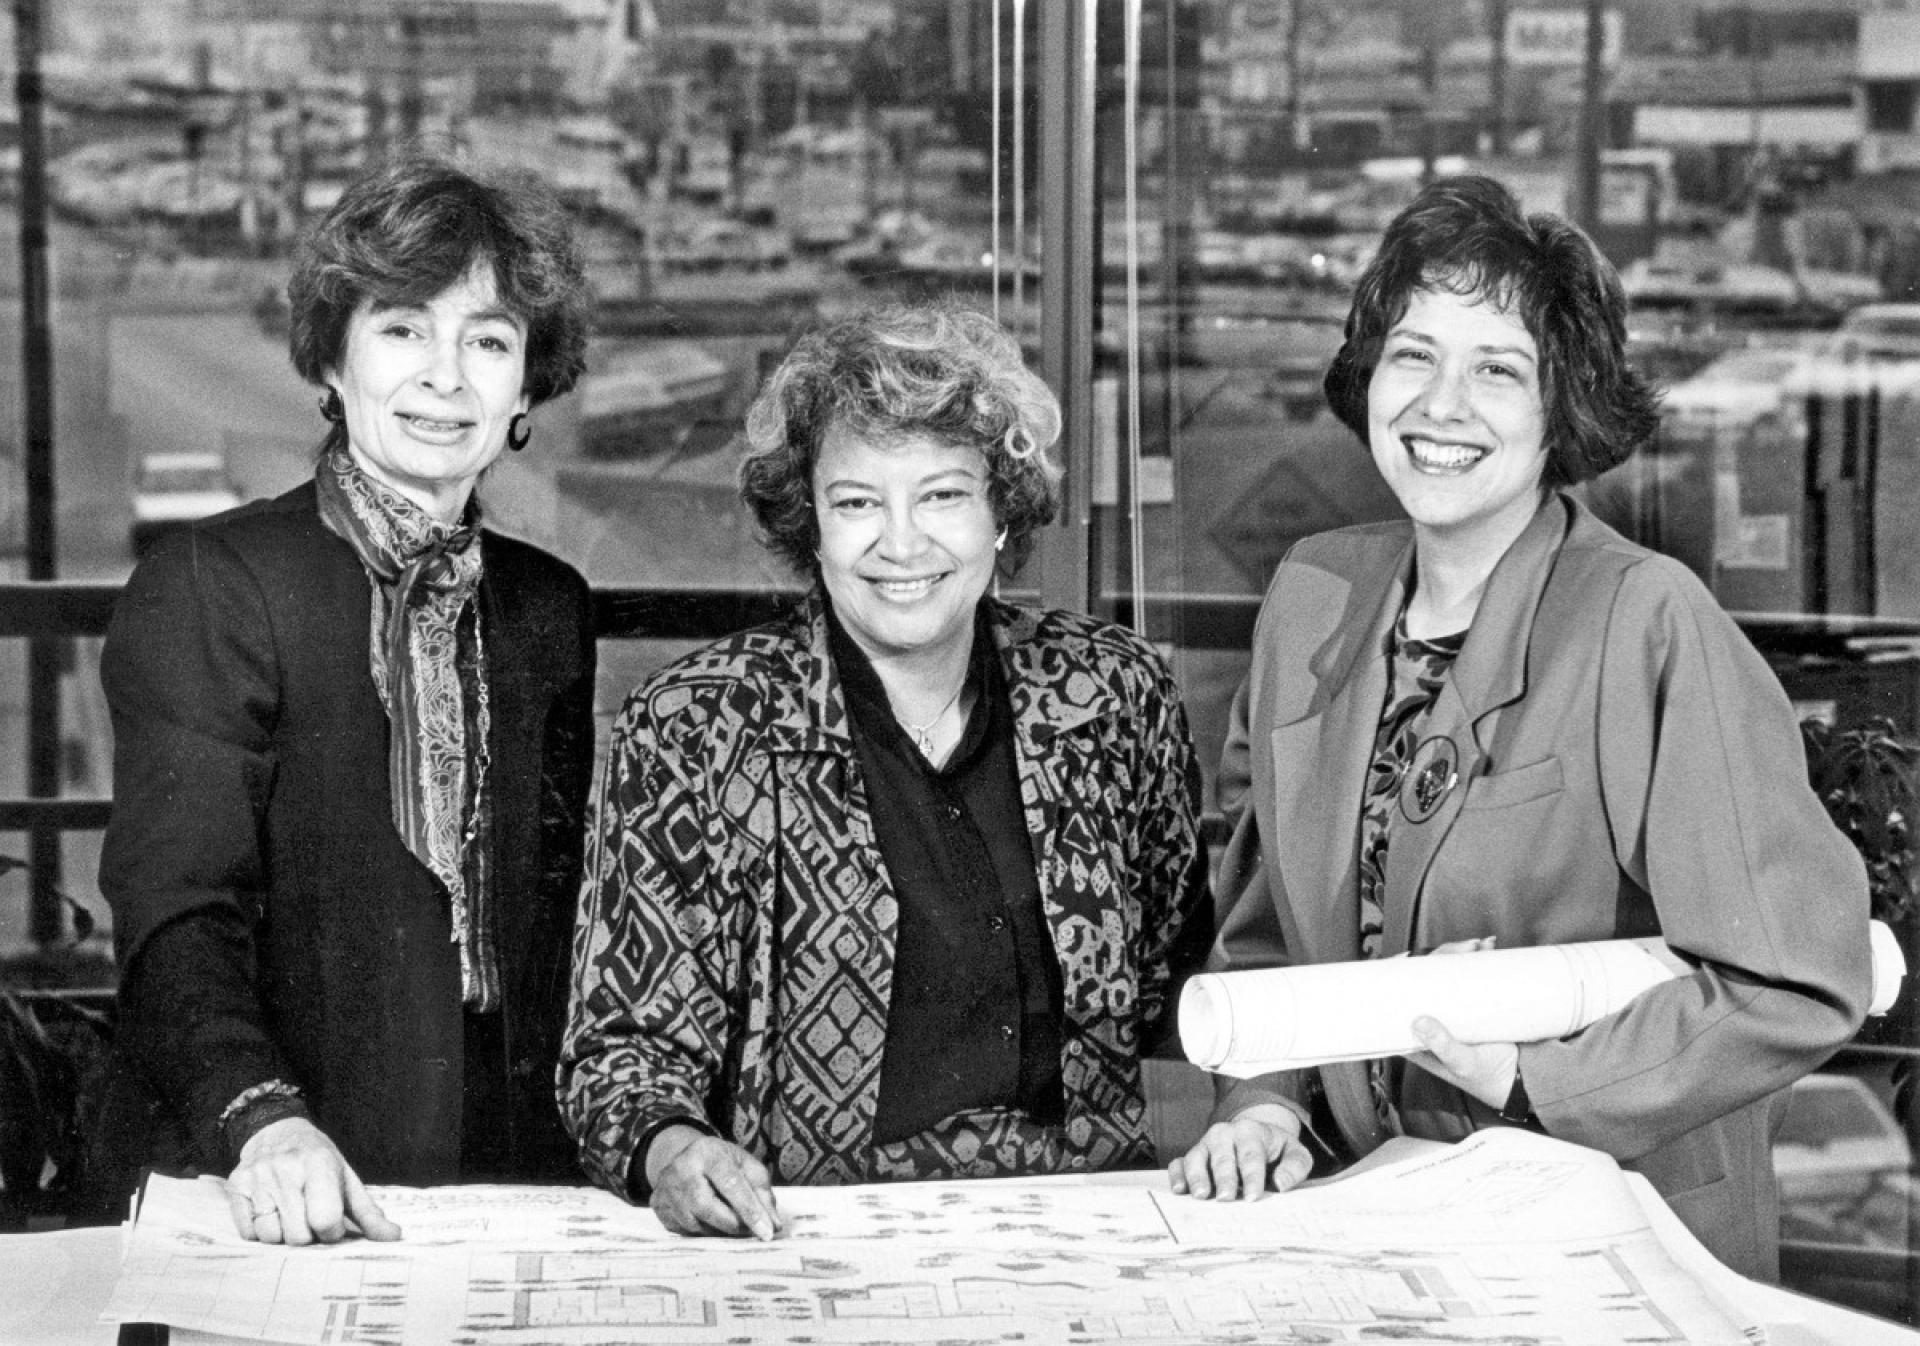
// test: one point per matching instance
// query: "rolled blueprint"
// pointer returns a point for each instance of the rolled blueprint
(1250, 1023)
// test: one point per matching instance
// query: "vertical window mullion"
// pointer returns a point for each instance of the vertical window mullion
(1069, 262)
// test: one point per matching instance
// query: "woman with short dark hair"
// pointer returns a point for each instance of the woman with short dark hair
(900, 886)
(1500, 722)
(1467, 236)
(352, 746)
(418, 226)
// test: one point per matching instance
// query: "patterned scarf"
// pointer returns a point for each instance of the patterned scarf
(429, 666)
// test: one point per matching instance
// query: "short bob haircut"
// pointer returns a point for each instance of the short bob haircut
(406, 232)
(1468, 235)
(941, 370)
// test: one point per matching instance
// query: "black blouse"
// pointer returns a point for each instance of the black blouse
(975, 1015)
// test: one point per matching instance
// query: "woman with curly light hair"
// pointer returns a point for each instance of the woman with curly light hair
(901, 886)
(943, 371)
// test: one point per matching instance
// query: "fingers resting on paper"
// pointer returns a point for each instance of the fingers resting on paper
(705, 1185)
(292, 1186)
(1257, 1150)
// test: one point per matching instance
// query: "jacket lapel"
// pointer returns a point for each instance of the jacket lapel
(815, 721)
(1044, 710)
(830, 913)
(1319, 860)
(818, 726)
(1319, 766)
(1489, 674)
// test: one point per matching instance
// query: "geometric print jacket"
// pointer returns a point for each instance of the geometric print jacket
(733, 955)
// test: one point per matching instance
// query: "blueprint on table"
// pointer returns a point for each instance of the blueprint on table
(1506, 1238)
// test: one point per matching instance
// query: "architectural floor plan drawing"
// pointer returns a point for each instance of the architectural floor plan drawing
(954, 1295)
(1507, 1238)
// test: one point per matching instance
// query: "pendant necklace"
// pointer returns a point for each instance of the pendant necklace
(923, 733)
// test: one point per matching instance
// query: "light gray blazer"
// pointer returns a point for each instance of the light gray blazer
(1628, 765)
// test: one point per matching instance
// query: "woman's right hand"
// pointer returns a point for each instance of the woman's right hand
(292, 1185)
(1258, 1150)
(705, 1185)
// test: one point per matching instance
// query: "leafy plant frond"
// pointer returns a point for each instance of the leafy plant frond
(49, 1071)
(1868, 777)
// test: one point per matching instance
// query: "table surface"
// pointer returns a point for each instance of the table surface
(53, 1287)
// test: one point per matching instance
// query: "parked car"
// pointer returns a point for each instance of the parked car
(175, 488)
(1877, 332)
(1739, 390)
(1724, 287)
(1846, 1183)
(1838, 1140)
(1875, 346)
(1288, 353)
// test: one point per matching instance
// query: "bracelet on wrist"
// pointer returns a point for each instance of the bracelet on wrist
(254, 1109)
(246, 1098)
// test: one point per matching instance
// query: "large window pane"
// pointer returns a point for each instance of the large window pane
(1249, 154)
(737, 172)
(741, 168)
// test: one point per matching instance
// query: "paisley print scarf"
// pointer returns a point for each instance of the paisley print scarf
(429, 667)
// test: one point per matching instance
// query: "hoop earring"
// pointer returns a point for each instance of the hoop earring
(332, 409)
(518, 431)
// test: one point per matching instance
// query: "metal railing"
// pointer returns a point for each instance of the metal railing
(47, 612)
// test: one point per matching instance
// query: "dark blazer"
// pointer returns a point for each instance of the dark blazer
(1628, 766)
(251, 822)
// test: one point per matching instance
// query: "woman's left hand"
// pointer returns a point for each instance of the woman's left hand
(1483, 1069)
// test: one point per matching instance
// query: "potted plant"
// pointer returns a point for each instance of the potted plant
(52, 1060)
(1868, 777)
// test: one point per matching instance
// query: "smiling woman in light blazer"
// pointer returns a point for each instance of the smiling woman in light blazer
(1501, 722)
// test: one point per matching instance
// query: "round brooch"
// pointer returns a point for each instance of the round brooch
(1431, 774)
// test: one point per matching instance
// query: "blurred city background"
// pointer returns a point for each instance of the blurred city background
(1168, 199)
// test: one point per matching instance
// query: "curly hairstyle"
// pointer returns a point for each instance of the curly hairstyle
(405, 232)
(1468, 235)
(941, 370)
